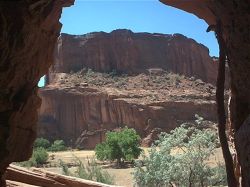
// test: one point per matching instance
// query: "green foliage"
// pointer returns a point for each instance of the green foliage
(41, 142)
(180, 159)
(120, 146)
(58, 145)
(39, 157)
(65, 168)
(89, 171)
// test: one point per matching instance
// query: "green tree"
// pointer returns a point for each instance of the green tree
(119, 146)
(41, 142)
(58, 145)
(180, 159)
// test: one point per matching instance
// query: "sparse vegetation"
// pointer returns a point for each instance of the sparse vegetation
(120, 146)
(141, 87)
(89, 171)
(41, 142)
(121, 80)
(58, 145)
(180, 158)
(39, 157)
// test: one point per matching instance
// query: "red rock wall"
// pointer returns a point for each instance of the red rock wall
(66, 115)
(130, 53)
(28, 32)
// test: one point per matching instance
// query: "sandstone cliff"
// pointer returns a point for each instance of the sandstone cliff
(79, 108)
(128, 52)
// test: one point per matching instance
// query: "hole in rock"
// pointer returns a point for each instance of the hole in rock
(42, 81)
(139, 64)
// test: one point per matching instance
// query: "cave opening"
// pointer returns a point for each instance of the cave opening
(75, 67)
(19, 101)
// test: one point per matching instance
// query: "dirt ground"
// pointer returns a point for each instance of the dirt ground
(122, 177)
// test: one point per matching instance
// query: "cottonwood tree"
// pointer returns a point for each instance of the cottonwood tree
(120, 146)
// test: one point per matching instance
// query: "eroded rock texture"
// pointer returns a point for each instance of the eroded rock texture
(28, 32)
(128, 52)
(88, 112)
(235, 19)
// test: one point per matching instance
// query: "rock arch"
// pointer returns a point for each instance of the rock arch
(29, 30)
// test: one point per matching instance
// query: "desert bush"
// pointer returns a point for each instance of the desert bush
(29, 163)
(41, 142)
(65, 168)
(58, 145)
(40, 155)
(179, 158)
(38, 158)
(119, 146)
(89, 171)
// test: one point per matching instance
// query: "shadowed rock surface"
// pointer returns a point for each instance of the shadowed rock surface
(28, 33)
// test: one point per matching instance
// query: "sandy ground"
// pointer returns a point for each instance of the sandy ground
(122, 177)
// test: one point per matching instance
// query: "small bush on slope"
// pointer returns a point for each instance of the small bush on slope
(39, 157)
(41, 142)
(58, 145)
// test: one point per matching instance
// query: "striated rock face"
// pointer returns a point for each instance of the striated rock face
(28, 32)
(128, 52)
(81, 112)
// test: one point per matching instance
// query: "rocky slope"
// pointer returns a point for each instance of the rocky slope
(81, 107)
(131, 53)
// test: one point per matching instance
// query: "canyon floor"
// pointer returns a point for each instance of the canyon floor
(153, 89)
(122, 176)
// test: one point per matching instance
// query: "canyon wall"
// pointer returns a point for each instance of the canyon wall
(130, 53)
(81, 116)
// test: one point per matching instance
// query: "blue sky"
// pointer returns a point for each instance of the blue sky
(137, 15)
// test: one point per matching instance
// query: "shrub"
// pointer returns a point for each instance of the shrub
(180, 159)
(58, 145)
(41, 142)
(119, 146)
(89, 171)
(29, 163)
(39, 157)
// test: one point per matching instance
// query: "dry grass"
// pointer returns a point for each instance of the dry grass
(123, 176)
